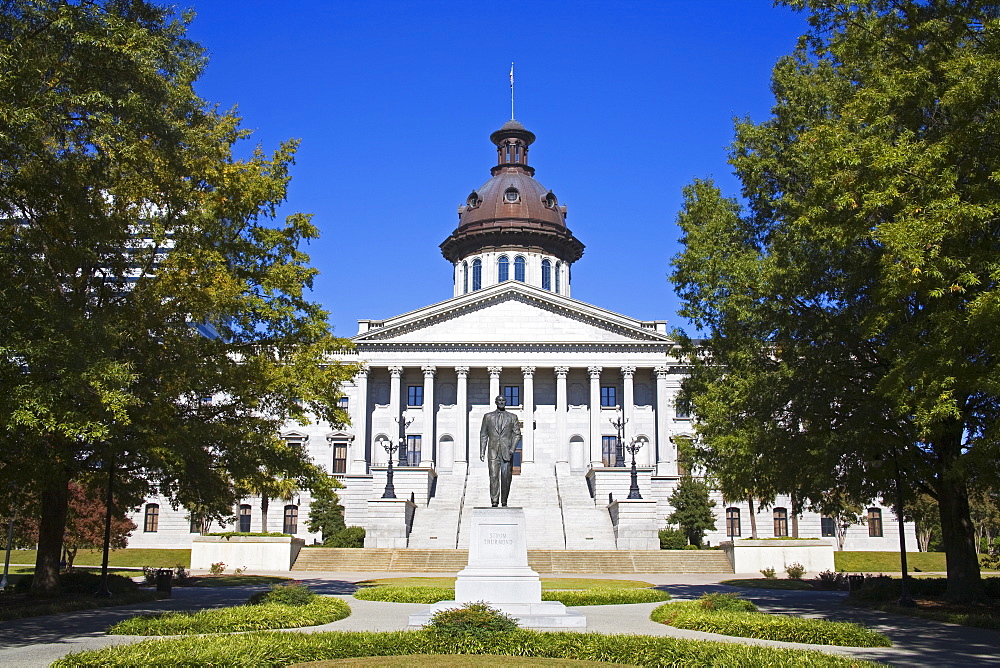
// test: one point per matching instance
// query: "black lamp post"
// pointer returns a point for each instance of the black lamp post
(619, 423)
(633, 491)
(403, 450)
(390, 450)
(103, 591)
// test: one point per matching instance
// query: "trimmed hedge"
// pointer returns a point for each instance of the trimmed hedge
(696, 617)
(395, 594)
(282, 649)
(240, 618)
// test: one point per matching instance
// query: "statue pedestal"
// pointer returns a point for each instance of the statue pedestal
(498, 574)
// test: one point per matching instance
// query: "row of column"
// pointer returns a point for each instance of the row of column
(663, 387)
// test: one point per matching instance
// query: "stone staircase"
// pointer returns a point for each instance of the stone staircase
(587, 527)
(535, 491)
(543, 561)
(435, 526)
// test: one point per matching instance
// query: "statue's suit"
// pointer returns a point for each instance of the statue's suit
(499, 436)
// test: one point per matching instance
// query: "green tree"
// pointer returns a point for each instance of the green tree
(692, 508)
(326, 515)
(126, 225)
(851, 304)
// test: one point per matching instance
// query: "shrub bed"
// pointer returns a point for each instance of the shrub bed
(394, 594)
(729, 619)
(282, 649)
(882, 593)
(322, 610)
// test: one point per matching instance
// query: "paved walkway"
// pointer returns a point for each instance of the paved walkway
(37, 641)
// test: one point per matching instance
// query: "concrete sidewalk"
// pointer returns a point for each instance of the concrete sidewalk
(37, 641)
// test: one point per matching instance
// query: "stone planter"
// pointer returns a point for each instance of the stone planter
(750, 556)
(259, 553)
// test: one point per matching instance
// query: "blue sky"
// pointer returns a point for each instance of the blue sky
(394, 103)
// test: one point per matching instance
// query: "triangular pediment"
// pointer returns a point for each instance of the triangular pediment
(512, 312)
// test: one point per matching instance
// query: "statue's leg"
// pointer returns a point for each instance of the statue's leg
(506, 472)
(494, 466)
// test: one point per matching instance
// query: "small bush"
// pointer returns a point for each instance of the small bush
(990, 562)
(795, 570)
(672, 539)
(240, 618)
(691, 547)
(284, 594)
(218, 568)
(149, 574)
(831, 580)
(728, 602)
(472, 619)
(768, 573)
(181, 575)
(347, 537)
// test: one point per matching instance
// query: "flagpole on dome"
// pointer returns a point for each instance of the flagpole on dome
(512, 91)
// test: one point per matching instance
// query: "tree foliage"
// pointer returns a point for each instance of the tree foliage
(326, 515)
(127, 227)
(851, 302)
(692, 508)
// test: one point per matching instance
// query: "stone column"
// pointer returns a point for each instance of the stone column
(428, 446)
(359, 419)
(494, 384)
(663, 444)
(462, 419)
(395, 375)
(562, 444)
(628, 405)
(595, 415)
(528, 432)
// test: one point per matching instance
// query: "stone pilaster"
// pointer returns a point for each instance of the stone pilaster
(663, 445)
(379, 457)
(428, 443)
(595, 415)
(528, 402)
(562, 444)
(494, 383)
(462, 417)
(359, 420)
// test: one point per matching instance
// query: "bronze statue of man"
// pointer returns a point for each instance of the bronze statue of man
(499, 435)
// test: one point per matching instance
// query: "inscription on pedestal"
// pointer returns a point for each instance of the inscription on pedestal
(497, 540)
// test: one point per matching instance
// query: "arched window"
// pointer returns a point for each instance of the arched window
(152, 522)
(546, 275)
(519, 269)
(291, 523)
(503, 269)
(780, 522)
(732, 522)
(465, 278)
(558, 276)
(245, 518)
(477, 274)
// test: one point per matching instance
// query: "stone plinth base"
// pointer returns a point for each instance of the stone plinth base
(266, 553)
(608, 480)
(389, 522)
(498, 574)
(634, 521)
(406, 480)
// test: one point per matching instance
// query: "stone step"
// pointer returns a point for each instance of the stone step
(435, 526)
(542, 561)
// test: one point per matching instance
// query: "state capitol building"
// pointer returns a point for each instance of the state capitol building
(569, 372)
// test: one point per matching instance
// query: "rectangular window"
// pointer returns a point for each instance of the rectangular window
(875, 522)
(245, 518)
(415, 395)
(339, 457)
(609, 397)
(780, 523)
(512, 395)
(152, 522)
(828, 528)
(732, 522)
(608, 448)
(196, 525)
(344, 402)
(682, 409)
(291, 523)
(412, 451)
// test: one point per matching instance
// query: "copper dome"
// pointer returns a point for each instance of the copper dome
(512, 209)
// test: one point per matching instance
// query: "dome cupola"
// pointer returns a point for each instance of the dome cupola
(512, 213)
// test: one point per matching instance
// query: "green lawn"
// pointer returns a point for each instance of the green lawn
(878, 562)
(547, 583)
(127, 557)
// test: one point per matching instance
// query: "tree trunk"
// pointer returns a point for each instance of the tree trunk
(753, 519)
(51, 527)
(795, 516)
(965, 584)
(264, 503)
